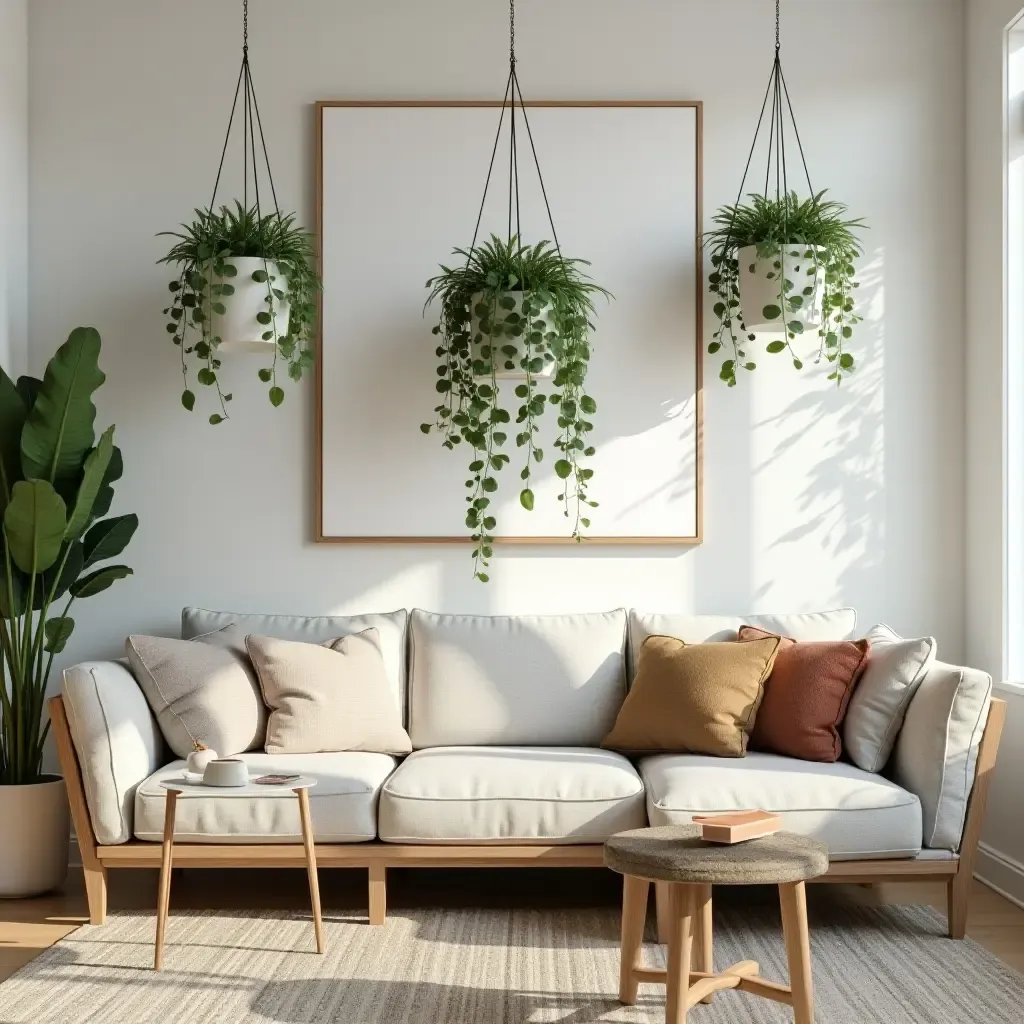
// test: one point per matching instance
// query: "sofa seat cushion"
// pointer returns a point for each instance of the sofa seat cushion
(343, 803)
(856, 814)
(475, 795)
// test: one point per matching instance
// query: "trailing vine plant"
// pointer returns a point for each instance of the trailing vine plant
(205, 283)
(513, 308)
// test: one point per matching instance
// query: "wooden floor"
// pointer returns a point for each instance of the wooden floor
(27, 927)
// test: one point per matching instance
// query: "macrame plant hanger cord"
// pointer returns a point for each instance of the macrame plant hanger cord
(251, 124)
(509, 103)
(781, 106)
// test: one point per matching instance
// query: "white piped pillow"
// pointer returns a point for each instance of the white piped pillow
(896, 668)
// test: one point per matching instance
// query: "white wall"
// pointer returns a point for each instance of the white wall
(14, 186)
(1002, 858)
(814, 498)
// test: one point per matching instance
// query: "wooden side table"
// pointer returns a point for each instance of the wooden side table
(186, 788)
(676, 855)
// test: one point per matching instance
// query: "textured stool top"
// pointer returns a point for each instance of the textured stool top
(676, 853)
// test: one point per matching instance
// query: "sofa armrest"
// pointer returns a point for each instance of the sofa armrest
(936, 754)
(117, 741)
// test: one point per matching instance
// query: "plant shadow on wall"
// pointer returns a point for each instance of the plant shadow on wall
(833, 441)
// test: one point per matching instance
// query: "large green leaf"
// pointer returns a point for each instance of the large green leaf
(109, 538)
(12, 419)
(34, 525)
(59, 430)
(96, 463)
(98, 581)
(57, 632)
(106, 496)
(73, 564)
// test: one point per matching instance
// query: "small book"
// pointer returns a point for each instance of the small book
(738, 827)
(275, 780)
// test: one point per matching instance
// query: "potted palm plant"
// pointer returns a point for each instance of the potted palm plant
(514, 312)
(56, 487)
(244, 283)
(784, 266)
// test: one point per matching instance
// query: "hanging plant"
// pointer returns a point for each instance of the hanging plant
(244, 282)
(519, 312)
(784, 266)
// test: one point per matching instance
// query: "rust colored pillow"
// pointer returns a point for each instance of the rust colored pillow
(806, 695)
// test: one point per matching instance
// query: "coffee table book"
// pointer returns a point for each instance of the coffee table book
(737, 828)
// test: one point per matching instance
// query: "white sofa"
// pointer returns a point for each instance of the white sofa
(506, 715)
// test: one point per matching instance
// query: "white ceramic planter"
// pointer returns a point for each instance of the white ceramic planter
(238, 328)
(35, 831)
(760, 284)
(509, 318)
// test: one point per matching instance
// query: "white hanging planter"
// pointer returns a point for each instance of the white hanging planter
(499, 335)
(761, 287)
(239, 327)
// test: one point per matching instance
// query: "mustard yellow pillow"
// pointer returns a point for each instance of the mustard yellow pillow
(693, 699)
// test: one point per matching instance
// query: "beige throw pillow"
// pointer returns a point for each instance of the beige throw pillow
(693, 699)
(201, 691)
(328, 697)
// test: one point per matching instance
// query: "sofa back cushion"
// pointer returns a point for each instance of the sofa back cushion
(117, 742)
(937, 749)
(545, 680)
(313, 629)
(696, 629)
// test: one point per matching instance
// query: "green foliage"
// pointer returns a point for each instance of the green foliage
(204, 286)
(56, 481)
(815, 233)
(479, 334)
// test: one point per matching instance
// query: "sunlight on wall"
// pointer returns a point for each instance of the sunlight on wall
(819, 466)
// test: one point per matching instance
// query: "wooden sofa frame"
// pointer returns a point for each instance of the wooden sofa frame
(957, 872)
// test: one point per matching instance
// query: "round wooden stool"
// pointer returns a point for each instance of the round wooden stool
(676, 855)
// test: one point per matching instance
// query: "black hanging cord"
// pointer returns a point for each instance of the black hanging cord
(251, 124)
(510, 102)
(777, 130)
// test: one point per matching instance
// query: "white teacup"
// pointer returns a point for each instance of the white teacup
(226, 771)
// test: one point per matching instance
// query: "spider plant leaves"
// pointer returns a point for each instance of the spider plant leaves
(59, 429)
(34, 525)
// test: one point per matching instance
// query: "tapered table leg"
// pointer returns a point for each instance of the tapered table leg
(703, 932)
(793, 901)
(164, 893)
(634, 916)
(680, 944)
(314, 883)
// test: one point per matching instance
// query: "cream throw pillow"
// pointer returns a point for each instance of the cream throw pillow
(874, 717)
(202, 690)
(328, 697)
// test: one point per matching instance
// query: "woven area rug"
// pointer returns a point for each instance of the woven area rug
(889, 965)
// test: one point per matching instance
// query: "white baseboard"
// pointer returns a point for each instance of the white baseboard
(1001, 873)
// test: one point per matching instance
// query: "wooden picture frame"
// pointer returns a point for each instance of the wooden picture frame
(690, 537)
